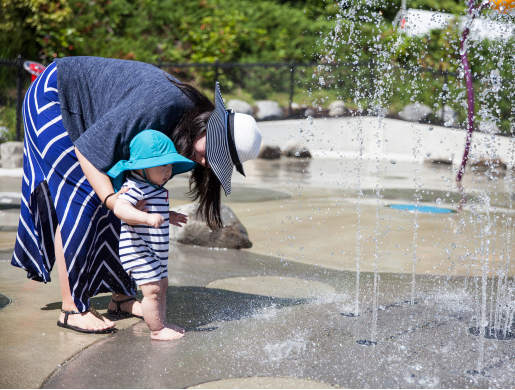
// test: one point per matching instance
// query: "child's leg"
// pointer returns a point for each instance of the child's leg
(153, 294)
(164, 286)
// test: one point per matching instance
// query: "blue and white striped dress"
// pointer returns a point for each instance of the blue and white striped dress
(144, 249)
(55, 193)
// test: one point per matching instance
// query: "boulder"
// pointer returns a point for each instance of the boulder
(488, 127)
(12, 154)
(268, 109)
(232, 235)
(379, 111)
(239, 106)
(269, 152)
(416, 112)
(336, 108)
(4, 131)
(484, 163)
(297, 151)
(448, 116)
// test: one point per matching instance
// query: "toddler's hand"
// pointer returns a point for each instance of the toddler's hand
(178, 218)
(155, 220)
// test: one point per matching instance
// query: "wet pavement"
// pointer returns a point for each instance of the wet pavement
(274, 314)
(260, 327)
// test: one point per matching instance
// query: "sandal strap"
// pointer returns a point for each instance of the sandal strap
(67, 313)
(118, 303)
(96, 313)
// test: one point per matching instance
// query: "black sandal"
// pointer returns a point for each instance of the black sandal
(77, 329)
(122, 314)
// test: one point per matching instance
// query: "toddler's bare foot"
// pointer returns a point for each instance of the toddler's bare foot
(87, 321)
(175, 327)
(165, 334)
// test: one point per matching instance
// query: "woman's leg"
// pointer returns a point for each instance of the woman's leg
(133, 307)
(85, 320)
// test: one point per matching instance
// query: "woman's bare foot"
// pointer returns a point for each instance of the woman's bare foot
(175, 327)
(132, 307)
(165, 334)
(87, 321)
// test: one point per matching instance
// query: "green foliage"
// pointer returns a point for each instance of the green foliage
(36, 28)
(8, 119)
(203, 31)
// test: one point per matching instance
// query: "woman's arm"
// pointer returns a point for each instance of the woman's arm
(101, 183)
(125, 210)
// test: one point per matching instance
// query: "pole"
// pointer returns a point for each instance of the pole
(472, 12)
(292, 85)
(19, 98)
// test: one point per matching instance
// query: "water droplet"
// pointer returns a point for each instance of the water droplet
(392, 161)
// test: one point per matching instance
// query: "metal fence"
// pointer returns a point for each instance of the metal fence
(301, 89)
(13, 84)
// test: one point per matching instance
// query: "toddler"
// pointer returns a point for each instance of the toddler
(144, 236)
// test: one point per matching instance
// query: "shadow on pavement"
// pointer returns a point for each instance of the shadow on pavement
(194, 307)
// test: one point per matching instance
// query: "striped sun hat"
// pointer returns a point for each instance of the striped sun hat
(232, 139)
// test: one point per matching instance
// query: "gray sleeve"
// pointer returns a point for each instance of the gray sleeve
(102, 144)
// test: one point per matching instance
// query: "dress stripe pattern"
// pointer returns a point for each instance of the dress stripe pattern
(55, 193)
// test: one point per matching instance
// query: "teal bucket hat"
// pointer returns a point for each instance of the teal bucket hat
(149, 149)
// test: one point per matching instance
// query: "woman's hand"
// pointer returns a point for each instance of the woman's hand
(155, 220)
(139, 206)
(178, 218)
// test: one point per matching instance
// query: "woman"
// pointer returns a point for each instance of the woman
(80, 116)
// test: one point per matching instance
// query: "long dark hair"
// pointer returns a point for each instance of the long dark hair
(204, 185)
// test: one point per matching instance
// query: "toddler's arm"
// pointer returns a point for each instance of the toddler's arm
(125, 210)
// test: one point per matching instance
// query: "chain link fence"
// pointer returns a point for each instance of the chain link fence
(13, 85)
(301, 89)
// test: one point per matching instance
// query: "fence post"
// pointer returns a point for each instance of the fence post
(371, 79)
(292, 86)
(159, 63)
(19, 98)
(217, 64)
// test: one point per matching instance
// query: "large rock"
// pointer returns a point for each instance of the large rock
(416, 112)
(12, 154)
(448, 116)
(268, 109)
(336, 108)
(239, 106)
(297, 151)
(488, 127)
(232, 235)
(270, 152)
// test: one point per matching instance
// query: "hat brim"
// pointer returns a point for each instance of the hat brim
(217, 145)
(180, 164)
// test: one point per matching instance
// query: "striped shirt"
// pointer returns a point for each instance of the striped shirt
(144, 249)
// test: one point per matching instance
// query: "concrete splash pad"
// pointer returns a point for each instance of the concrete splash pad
(233, 334)
(263, 383)
(275, 286)
(426, 345)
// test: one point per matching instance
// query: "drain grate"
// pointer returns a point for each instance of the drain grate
(4, 301)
